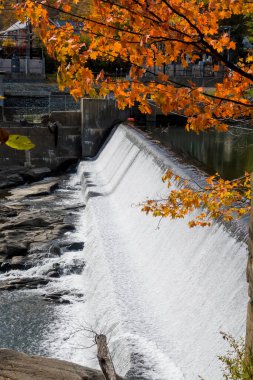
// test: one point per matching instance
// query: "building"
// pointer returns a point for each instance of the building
(19, 54)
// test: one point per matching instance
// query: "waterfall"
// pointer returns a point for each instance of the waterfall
(161, 292)
(162, 295)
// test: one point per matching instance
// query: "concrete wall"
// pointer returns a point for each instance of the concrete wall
(66, 118)
(36, 66)
(45, 153)
(99, 116)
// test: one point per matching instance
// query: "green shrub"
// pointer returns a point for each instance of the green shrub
(237, 364)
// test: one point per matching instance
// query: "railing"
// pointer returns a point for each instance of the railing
(194, 71)
(32, 108)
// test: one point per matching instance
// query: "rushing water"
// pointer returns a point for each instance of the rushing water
(161, 295)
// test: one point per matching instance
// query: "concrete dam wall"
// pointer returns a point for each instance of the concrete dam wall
(161, 294)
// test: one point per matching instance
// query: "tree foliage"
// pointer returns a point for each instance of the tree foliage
(238, 363)
(148, 33)
(217, 199)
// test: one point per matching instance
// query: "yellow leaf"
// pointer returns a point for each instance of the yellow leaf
(19, 142)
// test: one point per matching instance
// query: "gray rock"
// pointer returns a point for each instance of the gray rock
(34, 190)
(16, 249)
(33, 222)
(24, 282)
(57, 297)
(29, 234)
(76, 246)
(16, 262)
(67, 228)
(2, 259)
(6, 267)
(53, 273)
(40, 172)
(10, 180)
(55, 250)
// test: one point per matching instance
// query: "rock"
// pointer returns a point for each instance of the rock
(2, 259)
(75, 267)
(53, 273)
(77, 246)
(6, 213)
(67, 228)
(19, 366)
(2, 247)
(16, 262)
(26, 222)
(33, 222)
(10, 180)
(6, 266)
(56, 297)
(29, 233)
(55, 250)
(35, 174)
(16, 249)
(34, 190)
(24, 282)
(39, 173)
(38, 248)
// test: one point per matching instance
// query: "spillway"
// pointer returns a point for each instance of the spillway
(163, 294)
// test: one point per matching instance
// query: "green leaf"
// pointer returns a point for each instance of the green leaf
(19, 142)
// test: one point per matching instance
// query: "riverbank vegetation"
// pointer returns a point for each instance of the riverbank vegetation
(237, 364)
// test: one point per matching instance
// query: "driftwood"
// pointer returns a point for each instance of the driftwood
(104, 358)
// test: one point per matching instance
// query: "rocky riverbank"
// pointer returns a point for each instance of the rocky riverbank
(33, 223)
(18, 366)
(37, 228)
(14, 176)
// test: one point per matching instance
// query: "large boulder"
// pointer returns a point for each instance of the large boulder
(18, 366)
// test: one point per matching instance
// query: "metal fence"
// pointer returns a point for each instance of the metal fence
(191, 71)
(32, 108)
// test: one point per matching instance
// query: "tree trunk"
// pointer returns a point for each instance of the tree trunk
(104, 358)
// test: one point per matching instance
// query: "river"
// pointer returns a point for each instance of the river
(161, 292)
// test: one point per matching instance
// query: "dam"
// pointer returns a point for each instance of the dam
(161, 292)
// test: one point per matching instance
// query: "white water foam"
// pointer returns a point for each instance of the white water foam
(162, 295)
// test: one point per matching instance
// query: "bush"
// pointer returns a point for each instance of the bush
(238, 362)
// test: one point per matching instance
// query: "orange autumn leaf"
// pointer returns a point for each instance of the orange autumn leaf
(150, 35)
